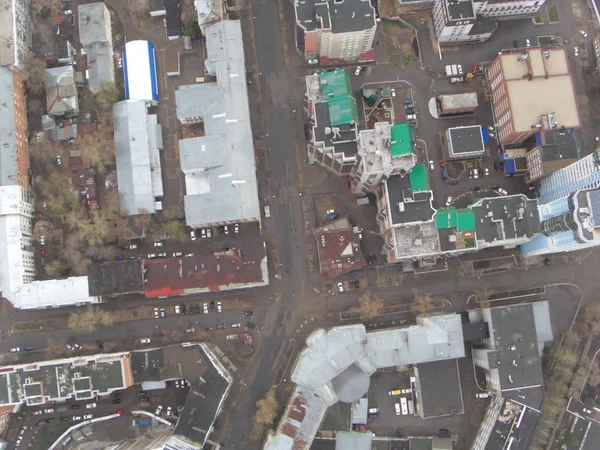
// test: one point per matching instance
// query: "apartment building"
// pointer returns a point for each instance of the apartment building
(15, 32)
(14, 153)
(336, 31)
(532, 91)
(507, 9)
(456, 21)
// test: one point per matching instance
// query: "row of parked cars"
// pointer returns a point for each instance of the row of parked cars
(207, 232)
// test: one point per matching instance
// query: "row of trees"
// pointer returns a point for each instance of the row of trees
(370, 305)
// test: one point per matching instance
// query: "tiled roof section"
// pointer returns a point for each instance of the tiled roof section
(115, 278)
(338, 248)
(94, 23)
(242, 265)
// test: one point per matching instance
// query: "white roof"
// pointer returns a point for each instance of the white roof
(139, 68)
(12, 271)
(52, 293)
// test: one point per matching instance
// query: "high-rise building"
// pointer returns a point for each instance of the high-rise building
(507, 9)
(336, 30)
(15, 32)
(569, 209)
(457, 21)
(532, 91)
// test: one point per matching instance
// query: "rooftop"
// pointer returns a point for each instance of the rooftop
(61, 92)
(342, 138)
(243, 265)
(81, 378)
(137, 157)
(100, 65)
(403, 139)
(406, 206)
(227, 192)
(559, 148)
(383, 154)
(500, 219)
(419, 239)
(465, 141)
(458, 102)
(94, 24)
(340, 17)
(338, 248)
(352, 440)
(52, 293)
(9, 173)
(172, 18)
(438, 389)
(549, 89)
(460, 9)
(115, 277)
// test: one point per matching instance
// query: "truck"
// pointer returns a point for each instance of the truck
(362, 201)
(451, 70)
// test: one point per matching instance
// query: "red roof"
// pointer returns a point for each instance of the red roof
(339, 248)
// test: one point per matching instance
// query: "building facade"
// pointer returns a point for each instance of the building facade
(15, 34)
(334, 30)
(14, 153)
(532, 91)
(507, 9)
(456, 21)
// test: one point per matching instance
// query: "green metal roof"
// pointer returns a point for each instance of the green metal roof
(402, 139)
(461, 219)
(335, 84)
(418, 178)
(342, 110)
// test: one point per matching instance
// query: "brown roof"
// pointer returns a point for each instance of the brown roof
(239, 266)
(338, 247)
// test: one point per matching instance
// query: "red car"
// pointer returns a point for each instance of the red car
(42, 251)
(442, 163)
(475, 68)
(119, 411)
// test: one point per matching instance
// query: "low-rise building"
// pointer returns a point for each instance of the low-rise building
(383, 151)
(457, 21)
(554, 150)
(333, 113)
(138, 138)
(95, 35)
(61, 92)
(438, 392)
(335, 31)
(465, 142)
(338, 247)
(532, 91)
(457, 104)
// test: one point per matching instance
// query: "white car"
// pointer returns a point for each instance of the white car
(225, 229)
(91, 405)
(37, 413)
(482, 395)
(177, 309)
(460, 69)
(587, 411)
(177, 254)
(168, 411)
(159, 244)
(145, 341)
(156, 313)
(15, 350)
(527, 43)
(49, 411)
(486, 171)
(236, 325)
(68, 12)
(76, 418)
(397, 408)
(88, 417)
(583, 33)
(203, 233)
(219, 307)
(341, 286)
(475, 173)
(502, 191)
(313, 61)
(448, 201)
(357, 71)
(158, 410)
(208, 233)
(393, 92)
(431, 165)
(576, 51)
(193, 235)
(152, 256)
(58, 160)
(330, 211)
(205, 308)
(236, 228)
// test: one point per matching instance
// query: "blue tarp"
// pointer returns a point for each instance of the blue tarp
(538, 139)
(485, 135)
(509, 166)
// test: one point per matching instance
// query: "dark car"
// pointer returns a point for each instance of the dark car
(29, 348)
(64, 419)
(516, 43)
(494, 186)
(408, 102)
(74, 407)
(356, 284)
(212, 305)
(251, 325)
(183, 309)
(476, 188)
(51, 420)
(248, 313)
(220, 326)
(116, 401)
(547, 261)
(40, 423)
(444, 432)
(410, 110)
(100, 344)
(496, 165)
(142, 393)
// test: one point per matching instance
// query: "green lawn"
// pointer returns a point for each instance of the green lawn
(539, 17)
(552, 14)
(546, 40)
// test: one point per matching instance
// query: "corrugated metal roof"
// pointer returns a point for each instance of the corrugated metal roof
(8, 156)
(351, 440)
(100, 65)
(61, 92)
(133, 153)
(220, 168)
(94, 23)
(154, 131)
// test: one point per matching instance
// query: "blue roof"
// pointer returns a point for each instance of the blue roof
(485, 136)
(509, 166)
(139, 71)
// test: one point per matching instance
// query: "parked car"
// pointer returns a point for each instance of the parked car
(152, 256)
(205, 307)
(496, 165)
(91, 405)
(516, 43)
(212, 305)
(502, 191)
(527, 43)
(225, 229)
(219, 307)
(15, 350)
(177, 254)
(357, 71)
(41, 423)
(208, 232)
(159, 244)
(410, 117)
(162, 312)
(156, 313)
(448, 201)
(236, 325)
(29, 348)
(486, 171)
(76, 418)
(116, 401)
(583, 33)
(482, 395)
(340, 286)
(58, 160)
(442, 163)
(177, 309)
(475, 174)
(169, 411)
(119, 411)
(221, 326)
(576, 51)
(193, 235)
(431, 165)
(248, 313)
(145, 341)
(397, 408)
(236, 228)
(64, 419)
(144, 399)
(162, 255)
(444, 432)
(313, 61)
(395, 392)
(74, 406)
(133, 246)
(393, 92)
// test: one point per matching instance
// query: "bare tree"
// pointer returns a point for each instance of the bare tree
(34, 74)
(369, 305)
(54, 268)
(422, 303)
(47, 8)
(176, 230)
(73, 253)
(59, 198)
(97, 150)
(267, 408)
(95, 230)
(143, 220)
(90, 319)
(107, 95)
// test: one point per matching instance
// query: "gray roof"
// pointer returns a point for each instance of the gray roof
(460, 9)
(132, 148)
(344, 141)
(94, 24)
(508, 218)
(417, 209)
(351, 440)
(61, 92)
(100, 65)
(514, 353)
(220, 170)
(329, 353)
(341, 17)
(9, 173)
(465, 141)
(439, 390)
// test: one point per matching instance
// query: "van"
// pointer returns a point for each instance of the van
(397, 408)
